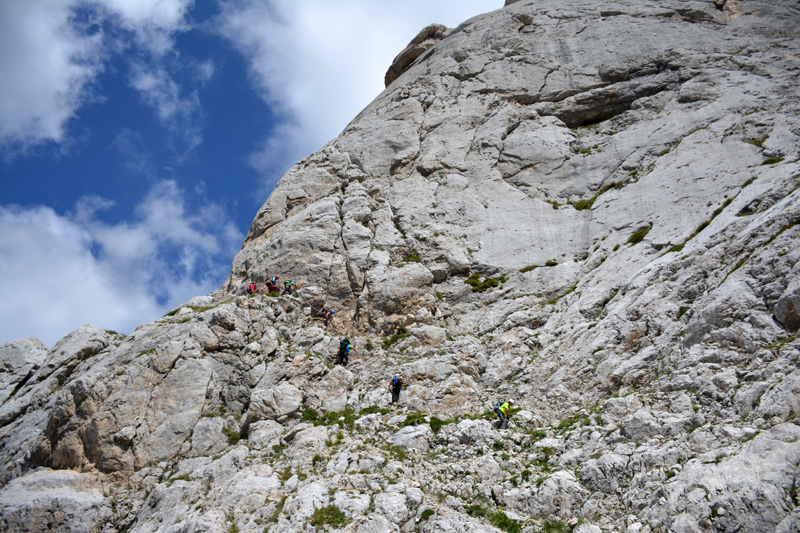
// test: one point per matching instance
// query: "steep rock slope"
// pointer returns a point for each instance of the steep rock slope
(589, 207)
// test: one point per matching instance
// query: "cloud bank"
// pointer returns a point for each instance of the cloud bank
(61, 271)
(51, 54)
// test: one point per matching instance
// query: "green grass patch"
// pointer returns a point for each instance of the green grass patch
(374, 409)
(309, 415)
(474, 280)
(427, 513)
(399, 335)
(397, 453)
(438, 423)
(677, 247)
(551, 263)
(580, 205)
(782, 341)
(553, 526)
(233, 436)
(413, 419)
(347, 416)
(556, 298)
(638, 236)
(413, 257)
(501, 521)
(748, 182)
(759, 142)
(783, 228)
(173, 312)
(278, 511)
(528, 268)
(475, 511)
(772, 160)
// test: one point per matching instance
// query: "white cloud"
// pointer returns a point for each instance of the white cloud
(153, 22)
(47, 66)
(61, 271)
(181, 115)
(51, 53)
(319, 63)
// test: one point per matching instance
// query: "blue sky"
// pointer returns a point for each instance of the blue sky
(139, 138)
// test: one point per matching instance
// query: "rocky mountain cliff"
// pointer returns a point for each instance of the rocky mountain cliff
(589, 207)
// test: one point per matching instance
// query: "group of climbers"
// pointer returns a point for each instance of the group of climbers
(343, 357)
(289, 286)
(501, 409)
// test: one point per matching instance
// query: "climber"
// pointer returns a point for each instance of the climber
(251, 289)
(289, 287)
(344, 352)
(272, 284)
(395, 386)
(503, 411)
(328, 316)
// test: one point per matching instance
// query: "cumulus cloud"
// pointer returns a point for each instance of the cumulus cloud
(61, 271)
(319, 63)
(51, 54)
(48, 63)
(153, 23)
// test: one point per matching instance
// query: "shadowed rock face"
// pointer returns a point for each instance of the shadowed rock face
(589, 207)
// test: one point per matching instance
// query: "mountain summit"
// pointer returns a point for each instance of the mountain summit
(589, 208)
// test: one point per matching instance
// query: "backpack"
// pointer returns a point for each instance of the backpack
(343, 347)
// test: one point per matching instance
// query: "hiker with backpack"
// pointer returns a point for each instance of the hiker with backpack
(328, 316)
(395, 386)
(343, 356)
(503, 412)
(251, 289)
(289, 287)
(272, 284)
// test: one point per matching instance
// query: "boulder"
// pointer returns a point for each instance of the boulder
(639, 426)
(305, 445)
(787, 308)
(393, 506)
(274, 403)
(606, 474)
(414, 439)
(472, 432)
(54, 499)
(208, 437)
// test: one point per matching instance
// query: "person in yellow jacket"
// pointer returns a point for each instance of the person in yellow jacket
(503, 412)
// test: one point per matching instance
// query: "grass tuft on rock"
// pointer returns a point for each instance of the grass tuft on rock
(399, 335)
(474, 280)
(638, 236)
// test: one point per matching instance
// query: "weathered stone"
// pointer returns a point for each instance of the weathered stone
(414, 439)
(275, 403)
(306, 445)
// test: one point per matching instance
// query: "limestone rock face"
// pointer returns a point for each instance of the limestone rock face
(590, 208)
(19, 359)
